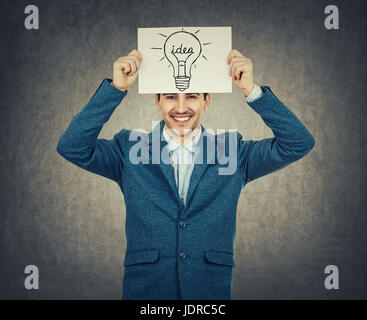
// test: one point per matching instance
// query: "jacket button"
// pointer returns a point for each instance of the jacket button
(182, 255)
(182, 224)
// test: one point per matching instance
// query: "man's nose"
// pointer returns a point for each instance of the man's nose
(181, 103)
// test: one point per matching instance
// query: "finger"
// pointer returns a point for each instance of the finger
(133, 52)
(233, 66)
(233, 70)
(235, 60)
(238, 70)
(234, 53)
(231, 55)
(247, 62)
(133, 65)
(238, 59)
(137, 61)
(137, 54)
(122, 65)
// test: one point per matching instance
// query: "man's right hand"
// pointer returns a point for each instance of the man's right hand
(125, 70)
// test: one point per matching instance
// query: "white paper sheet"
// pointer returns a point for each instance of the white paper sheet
(184, 59)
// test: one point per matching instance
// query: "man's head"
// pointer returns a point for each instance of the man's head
(182, 111)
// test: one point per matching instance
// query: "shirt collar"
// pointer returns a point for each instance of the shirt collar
(173, 145)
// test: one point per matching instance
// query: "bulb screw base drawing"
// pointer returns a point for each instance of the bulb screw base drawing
(182, 83)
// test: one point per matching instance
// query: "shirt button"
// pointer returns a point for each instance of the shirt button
(182, 224)
(182, 255)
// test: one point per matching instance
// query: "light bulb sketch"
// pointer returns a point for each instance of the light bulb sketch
(182, 49)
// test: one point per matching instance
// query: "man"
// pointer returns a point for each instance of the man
(180, 214)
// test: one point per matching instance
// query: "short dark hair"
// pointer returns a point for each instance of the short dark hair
(205, 94)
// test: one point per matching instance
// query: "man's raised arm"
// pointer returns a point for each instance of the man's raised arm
(79, 144)
(291, 140)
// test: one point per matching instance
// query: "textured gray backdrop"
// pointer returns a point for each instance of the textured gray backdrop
(291, 224)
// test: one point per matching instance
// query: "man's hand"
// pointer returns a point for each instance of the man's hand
(241, 70)
(125, 70)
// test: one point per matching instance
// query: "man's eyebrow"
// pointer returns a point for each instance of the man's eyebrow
(187, 94)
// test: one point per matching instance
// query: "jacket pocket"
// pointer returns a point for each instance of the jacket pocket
(142, 256)
(220, 257)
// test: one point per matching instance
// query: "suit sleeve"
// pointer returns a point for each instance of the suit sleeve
(80, 145)
(291, 140)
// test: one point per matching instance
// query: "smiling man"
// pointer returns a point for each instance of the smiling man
(181, 215)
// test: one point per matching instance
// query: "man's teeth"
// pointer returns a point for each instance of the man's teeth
(181, 119)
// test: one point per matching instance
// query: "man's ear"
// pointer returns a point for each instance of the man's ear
(157, 102)
(207, 101)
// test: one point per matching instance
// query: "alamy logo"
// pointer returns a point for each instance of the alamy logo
(32, 280)
(223, 150)
(332, 280)
(332, 20)
(32, 20)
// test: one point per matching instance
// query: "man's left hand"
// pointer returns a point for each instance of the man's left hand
(241, 71)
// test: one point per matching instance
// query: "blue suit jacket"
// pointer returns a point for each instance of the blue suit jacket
(174, 251)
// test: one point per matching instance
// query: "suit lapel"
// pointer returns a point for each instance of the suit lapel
(160, 156)
(206, 156)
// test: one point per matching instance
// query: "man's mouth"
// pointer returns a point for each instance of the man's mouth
(181, 120)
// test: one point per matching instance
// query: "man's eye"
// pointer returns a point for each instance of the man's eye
(192, 97)
(170, 97)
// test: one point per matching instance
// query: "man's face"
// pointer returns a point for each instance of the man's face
(182, 111)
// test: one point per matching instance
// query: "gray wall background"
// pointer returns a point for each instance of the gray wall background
(291, 224)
